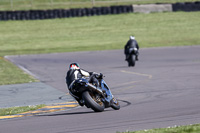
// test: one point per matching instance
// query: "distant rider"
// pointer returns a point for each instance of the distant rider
(131, 44)
(75, 72)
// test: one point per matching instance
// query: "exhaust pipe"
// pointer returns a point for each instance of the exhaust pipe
(94, 88)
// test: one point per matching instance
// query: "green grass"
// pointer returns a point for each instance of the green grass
(66, 4)
(93, 33)
(17, 110)
(11, 74)
(99, 32)
(176, 129)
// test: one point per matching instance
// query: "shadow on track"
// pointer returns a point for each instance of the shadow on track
(125, 104)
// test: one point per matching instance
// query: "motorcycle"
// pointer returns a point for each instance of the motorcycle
(96, 98)
(131, 57)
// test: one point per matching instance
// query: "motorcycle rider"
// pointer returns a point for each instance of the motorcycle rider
(130, 45)
(75, 72)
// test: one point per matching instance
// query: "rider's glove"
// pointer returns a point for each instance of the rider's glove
(99, 76)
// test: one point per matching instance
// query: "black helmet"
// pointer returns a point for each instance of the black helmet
(74, 66)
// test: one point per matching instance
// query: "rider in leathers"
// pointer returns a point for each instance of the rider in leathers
(75, 73)
(132, 43)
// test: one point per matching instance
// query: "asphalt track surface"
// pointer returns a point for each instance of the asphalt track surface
(162, 90)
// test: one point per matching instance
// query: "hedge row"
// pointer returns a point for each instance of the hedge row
(61, 13)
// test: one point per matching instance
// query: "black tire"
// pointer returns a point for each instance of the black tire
(92, 102)
(132, 60)
(115, 104)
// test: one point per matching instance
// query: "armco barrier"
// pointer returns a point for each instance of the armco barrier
(62, 13)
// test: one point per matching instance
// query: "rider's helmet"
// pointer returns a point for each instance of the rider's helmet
(74, 66)
(132, 37)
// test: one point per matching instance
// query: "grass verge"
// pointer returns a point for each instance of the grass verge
(11, 74)
(92, 33)
(17, 110)
(176, 129)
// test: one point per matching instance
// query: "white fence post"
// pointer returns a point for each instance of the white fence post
(11, 4)
(31, 3)
(93, 2)
(51, 2)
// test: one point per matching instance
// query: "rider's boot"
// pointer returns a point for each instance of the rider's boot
(81, 102)
(136, 58)
(127, 56)
(137, 54)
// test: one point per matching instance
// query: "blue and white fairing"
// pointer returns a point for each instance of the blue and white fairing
(105, 88)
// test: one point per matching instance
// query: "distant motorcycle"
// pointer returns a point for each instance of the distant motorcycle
(131, 58)
(96, 98)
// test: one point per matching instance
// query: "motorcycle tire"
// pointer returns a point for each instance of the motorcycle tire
(115, 104)
(131, 61)
(92, 102)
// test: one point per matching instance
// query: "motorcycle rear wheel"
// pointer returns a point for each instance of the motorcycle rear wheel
(131, 61)
(91, 100)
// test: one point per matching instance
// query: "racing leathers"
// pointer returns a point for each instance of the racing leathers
(130, 45)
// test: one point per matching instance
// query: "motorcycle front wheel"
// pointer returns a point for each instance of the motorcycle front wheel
(93, 101)
(115, 104)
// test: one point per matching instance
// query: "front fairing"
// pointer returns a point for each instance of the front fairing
(106, 89)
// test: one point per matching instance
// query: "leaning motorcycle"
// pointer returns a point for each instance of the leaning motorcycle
(131, 59)
(96, 98)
